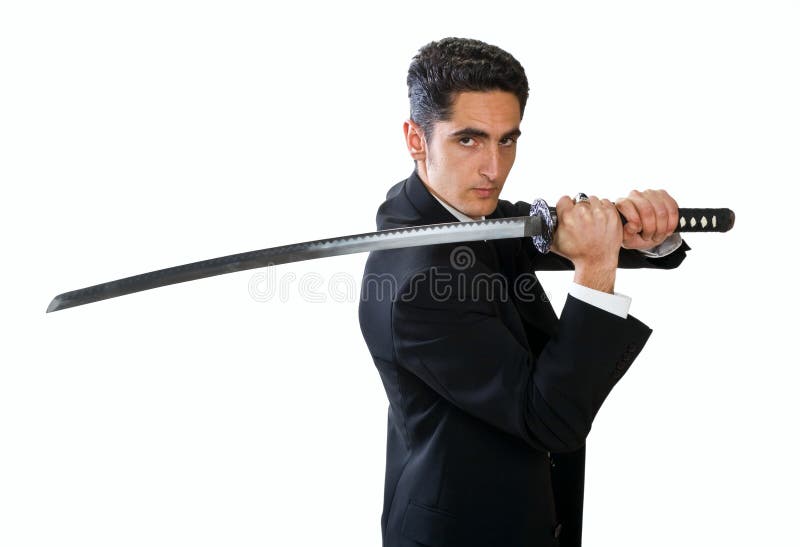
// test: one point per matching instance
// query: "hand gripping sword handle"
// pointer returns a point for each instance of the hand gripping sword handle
(689, 220)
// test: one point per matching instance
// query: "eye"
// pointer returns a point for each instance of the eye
(508, 141)
(467, 141)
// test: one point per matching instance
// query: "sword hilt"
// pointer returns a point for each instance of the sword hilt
(689, 220)
(705, 220)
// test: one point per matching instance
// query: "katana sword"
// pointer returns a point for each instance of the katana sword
(540, 225)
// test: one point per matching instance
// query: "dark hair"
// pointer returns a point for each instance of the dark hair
(452, 65)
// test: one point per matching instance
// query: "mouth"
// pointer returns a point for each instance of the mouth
(485, 192)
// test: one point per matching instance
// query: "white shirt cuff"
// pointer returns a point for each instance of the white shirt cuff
(616, 303)
(666, 247)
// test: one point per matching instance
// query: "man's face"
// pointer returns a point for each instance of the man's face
(466, 160)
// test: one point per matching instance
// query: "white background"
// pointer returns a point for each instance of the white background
(140, 135)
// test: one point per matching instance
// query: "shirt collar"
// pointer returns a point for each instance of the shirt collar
(455, 212)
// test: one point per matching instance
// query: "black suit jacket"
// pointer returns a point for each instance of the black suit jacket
(491, 395)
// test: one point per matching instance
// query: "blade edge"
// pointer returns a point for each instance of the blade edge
(411, 236)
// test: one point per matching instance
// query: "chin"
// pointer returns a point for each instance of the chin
(486, 209)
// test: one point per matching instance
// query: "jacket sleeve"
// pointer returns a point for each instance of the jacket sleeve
(459, 346)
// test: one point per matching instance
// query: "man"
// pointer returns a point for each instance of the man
(491, 395)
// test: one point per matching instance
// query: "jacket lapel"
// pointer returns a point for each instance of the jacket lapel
(528, 314)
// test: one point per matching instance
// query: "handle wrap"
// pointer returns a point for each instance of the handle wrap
(689, 220)
(693, 220)
(705, 220)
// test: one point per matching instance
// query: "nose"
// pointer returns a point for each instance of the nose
(490, 166)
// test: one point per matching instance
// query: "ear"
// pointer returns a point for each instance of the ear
(415, 140)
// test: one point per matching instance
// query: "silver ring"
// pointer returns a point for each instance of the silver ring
(580, 197)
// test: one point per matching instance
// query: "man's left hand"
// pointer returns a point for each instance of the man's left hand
(652, 215)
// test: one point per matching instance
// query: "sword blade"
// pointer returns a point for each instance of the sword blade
(429, 234)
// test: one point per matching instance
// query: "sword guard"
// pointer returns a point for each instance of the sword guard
(547, 215)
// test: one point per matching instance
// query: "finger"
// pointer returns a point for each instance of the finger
(597, 205)
(672, 209)
(564, 204)
(595, 208)
(610, 209)
(632, 223)
(658, 202)
(614, 221)
(647, 214)
(582, 199)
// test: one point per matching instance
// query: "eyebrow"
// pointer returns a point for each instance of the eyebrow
(472, 132)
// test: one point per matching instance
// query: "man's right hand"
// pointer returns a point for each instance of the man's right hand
(590, 235)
